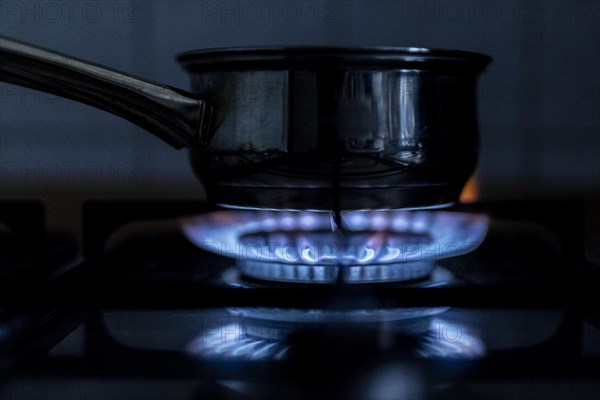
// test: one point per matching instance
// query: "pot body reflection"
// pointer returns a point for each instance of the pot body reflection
(335, 138)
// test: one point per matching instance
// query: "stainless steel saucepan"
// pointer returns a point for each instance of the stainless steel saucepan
(295, 127)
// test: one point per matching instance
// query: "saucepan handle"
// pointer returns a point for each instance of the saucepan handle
(177, 117)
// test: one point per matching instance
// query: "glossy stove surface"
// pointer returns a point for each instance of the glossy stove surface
(157, 317)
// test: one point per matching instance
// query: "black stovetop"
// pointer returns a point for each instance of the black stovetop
(148, 315)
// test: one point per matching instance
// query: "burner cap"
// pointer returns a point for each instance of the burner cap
(282, 272)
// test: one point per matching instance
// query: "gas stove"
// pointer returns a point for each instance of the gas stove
(163, 305)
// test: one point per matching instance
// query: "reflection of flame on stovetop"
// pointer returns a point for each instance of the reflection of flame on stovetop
(263, 333)
(439, 338)
(371, 246)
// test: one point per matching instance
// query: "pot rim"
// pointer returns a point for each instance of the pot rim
(317, 57)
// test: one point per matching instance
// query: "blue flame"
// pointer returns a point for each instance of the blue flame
(370, 237)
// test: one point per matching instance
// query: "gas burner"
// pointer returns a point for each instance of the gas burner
(370, 246)
(327, 274)
(439, 276)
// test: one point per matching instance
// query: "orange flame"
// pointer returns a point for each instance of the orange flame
(470, 192)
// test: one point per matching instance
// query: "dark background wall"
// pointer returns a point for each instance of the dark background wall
(539, 101)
